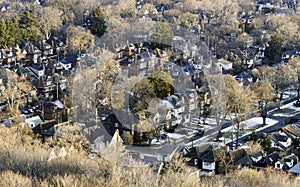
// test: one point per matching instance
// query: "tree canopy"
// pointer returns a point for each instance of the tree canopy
(98, 24)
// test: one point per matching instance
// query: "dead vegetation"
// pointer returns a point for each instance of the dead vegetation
(25, 162)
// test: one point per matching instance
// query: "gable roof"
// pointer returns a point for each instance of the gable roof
(45, 128)
(257, 154)
(272, 158)
(244, 161)
(209, 156)
(116, 139)
(237, 154)
(279, 137)
(291, 130)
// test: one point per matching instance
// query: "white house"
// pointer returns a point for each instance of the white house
(225, 64)
(66, 65)
(33, 122)
(281, 141)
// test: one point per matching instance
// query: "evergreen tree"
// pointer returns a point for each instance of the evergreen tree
(266, 143)
(15, 30)
(4, 34)
(98, 24)
(9, 32)
(274, 51)
(29, 26)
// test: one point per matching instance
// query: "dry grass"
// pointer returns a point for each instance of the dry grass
(24, 163)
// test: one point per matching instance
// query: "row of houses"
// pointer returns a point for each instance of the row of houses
(284, 156)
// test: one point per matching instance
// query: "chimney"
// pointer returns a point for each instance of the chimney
(129, 50)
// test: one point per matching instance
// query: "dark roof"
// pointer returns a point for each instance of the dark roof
(290, 158)
(31, 49)
(279, 137)
(72, 58)
(45, 128)
(203, 149)
(237, 154)
(209, 156)
(191, 152)
(244, 161)
(272, 158)
(257, 154)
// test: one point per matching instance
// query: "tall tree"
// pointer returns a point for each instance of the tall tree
(29, 25)
(161, 81)
(4, 34)
(14, 29)
(239, 100)
(274, 51)
(98, 24)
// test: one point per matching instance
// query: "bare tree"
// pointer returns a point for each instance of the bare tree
(14, 93)
(47, 22)
(239, 99)
(78, 39)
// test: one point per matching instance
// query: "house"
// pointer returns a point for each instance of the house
(272, 158)
(9, 58)
(59, 48)
(20, 55)
(209, 161)
(23, 73)
(287, 162)
(55, 110)
(45, 48)
(37, 70)
(65, 64)
(245, 78)
(287, 55)
(33, 122)
(45, 86)
(33, 54)
(281, 142)
(292, 130)
(74, 59)
(258, 158)
(196, 153)
(244, 161)
(46, 128)
(191, 153)
(240, 157)
(225, 64)
(1, 59)
(116, 140)
(175, 105)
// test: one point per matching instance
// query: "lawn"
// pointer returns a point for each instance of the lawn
(283, 111)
